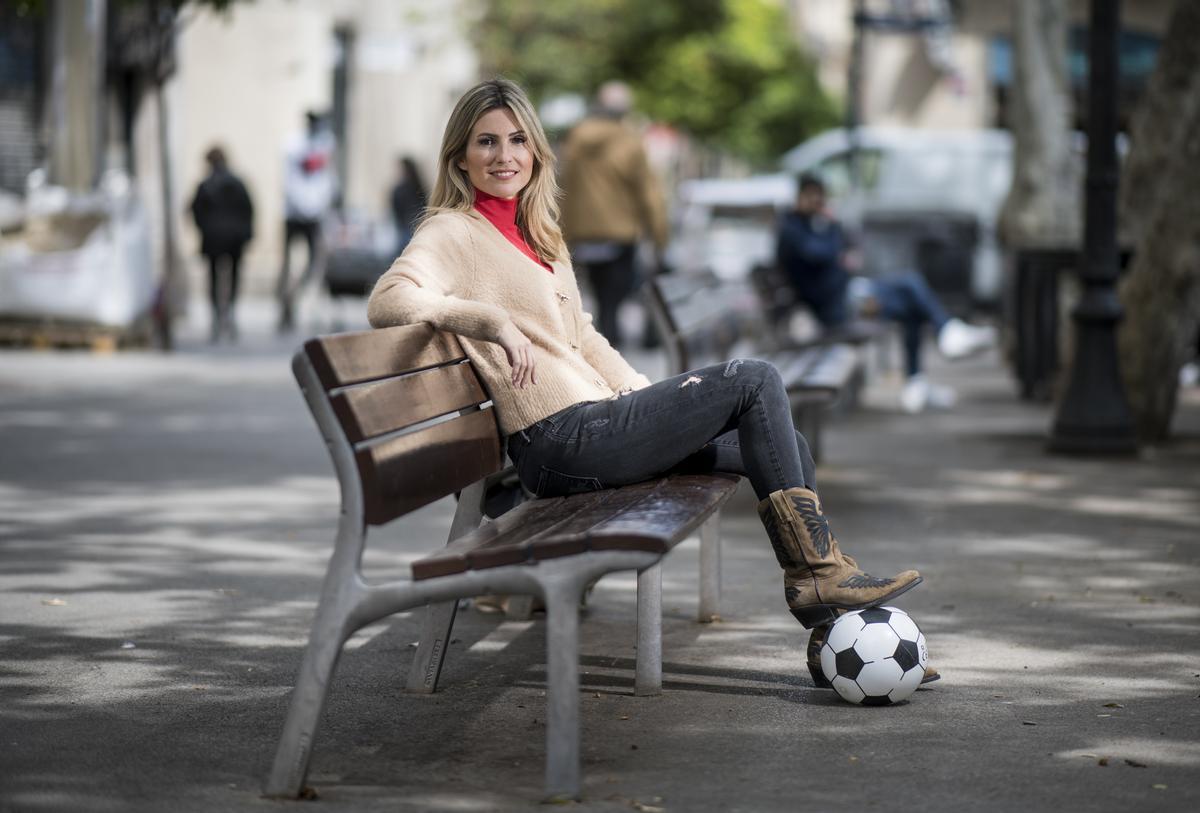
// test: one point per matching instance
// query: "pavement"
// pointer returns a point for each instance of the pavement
(165, 521)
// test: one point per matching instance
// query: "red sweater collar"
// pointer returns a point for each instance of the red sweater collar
(502, 214)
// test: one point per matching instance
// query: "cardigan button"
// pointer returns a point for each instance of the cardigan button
(562, 297)
(574, 346)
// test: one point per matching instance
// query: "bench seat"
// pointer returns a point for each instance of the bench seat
(652, 517)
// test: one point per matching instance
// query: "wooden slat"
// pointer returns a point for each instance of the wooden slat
(352, 358)
(832, 369)
(679, 288)
(384, 406)
(404, 473)
(503, 541)
(652, 516)
(664, 517)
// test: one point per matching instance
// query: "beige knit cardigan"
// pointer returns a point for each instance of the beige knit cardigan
(461, 275)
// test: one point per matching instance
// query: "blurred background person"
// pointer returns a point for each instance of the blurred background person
(611, 201)
(407, 200)
(310, 191)
(224, 215)
(813, 252)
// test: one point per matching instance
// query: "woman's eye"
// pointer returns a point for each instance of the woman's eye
(486, 141)
(519, 139)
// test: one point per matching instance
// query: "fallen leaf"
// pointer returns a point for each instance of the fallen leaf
(597, 694)
(854, 759)
(309, 792)
(1102, 761)
(1159, 787)
(623, 717)
(1113, 706)
(1133, 763)
(54, 602)
(128, 645)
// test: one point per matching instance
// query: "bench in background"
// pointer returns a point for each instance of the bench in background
(696, 317)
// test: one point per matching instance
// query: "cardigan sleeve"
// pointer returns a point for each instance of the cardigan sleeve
(427, 282)
(605, 359)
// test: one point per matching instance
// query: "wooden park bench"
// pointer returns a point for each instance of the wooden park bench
(695, 317)
(407, 422)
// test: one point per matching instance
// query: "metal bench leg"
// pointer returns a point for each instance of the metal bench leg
(648, 673)
(710, 569)
(563, 777)
(329, 633)
(426, 667)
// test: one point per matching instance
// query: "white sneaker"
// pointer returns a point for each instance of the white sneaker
(915, 395)
(958, 340)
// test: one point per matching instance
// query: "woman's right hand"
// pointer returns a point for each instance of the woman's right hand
(519, 350)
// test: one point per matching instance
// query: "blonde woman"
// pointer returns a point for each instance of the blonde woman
(488, 263)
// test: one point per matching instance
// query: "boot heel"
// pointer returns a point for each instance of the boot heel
(816, 615)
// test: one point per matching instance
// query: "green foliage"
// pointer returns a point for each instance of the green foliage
(727, 71)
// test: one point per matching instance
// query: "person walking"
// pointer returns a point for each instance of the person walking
(224, 215)
(489, 263)
(310, 189)
(407, 200)
(612, 200)
(814, 255)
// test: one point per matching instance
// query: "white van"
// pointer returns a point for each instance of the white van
(925, 199)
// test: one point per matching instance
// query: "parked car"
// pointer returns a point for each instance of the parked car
(924, 199)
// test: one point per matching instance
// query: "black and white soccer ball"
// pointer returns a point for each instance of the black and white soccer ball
(875, 657)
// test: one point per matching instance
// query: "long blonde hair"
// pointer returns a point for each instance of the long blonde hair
(537, 209)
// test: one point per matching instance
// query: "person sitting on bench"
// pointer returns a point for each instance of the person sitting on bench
(488, 263)
(813, 253)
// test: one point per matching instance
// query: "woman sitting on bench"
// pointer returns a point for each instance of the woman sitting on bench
(488, 263)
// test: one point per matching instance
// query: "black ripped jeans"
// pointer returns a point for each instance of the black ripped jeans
(731, 417)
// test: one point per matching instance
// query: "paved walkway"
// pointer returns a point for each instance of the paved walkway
(164, 523)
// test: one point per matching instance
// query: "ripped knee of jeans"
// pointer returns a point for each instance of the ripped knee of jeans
(732, 367)
(690, 380)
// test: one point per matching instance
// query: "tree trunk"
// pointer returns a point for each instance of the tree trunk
(1161, 292)
(1043, 206)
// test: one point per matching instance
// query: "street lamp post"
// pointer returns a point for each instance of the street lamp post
(1094, 415)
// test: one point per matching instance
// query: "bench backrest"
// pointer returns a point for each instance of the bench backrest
(406, 403)
(689, 311)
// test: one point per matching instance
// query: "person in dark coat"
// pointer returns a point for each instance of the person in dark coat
(407, 201)
(225, 217)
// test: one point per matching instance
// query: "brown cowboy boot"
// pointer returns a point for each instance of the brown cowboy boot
(818, 580)
(817, 640)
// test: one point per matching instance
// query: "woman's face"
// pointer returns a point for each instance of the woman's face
(498, 159)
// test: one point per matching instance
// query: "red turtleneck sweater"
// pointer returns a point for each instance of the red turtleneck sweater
(502, 214)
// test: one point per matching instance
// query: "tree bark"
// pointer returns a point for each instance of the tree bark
(1161, 210)
(1043, 206)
